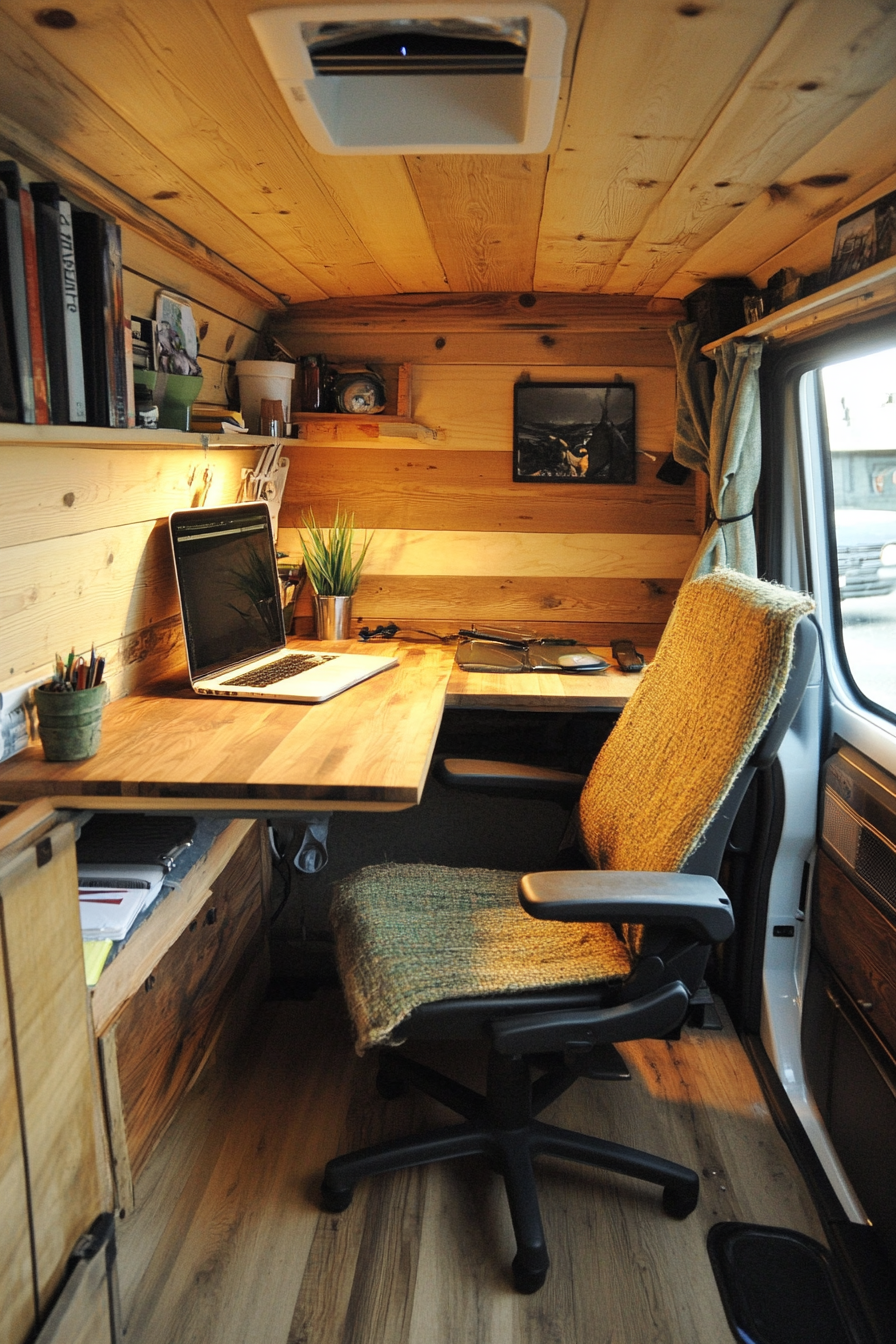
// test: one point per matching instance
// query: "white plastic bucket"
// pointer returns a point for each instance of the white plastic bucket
(261, 380)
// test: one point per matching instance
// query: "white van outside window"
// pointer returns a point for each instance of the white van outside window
(857, 410)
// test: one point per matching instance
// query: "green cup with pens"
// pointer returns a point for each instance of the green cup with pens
(70, 708)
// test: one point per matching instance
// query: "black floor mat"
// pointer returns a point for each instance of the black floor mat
(778, 1287)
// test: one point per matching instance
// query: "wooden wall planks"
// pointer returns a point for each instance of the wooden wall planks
(430, 488)
(85, 558)
(453, 539)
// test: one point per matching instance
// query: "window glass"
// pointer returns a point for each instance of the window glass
(858, 399)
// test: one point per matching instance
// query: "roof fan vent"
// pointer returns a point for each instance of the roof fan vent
(391, 79)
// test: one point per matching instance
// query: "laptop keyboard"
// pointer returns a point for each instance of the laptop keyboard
(286, 667)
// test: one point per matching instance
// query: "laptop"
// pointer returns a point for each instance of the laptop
(232, 615)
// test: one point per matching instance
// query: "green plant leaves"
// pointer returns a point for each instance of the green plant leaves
(329, 559)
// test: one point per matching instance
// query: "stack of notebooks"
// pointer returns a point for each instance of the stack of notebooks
(63, 338)
(111, 897)
(123, 864)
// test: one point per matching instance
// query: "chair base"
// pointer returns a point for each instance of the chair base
(502, 1128)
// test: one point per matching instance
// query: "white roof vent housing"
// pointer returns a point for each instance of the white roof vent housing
(417, 79)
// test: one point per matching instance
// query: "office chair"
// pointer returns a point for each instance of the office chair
(616, 954)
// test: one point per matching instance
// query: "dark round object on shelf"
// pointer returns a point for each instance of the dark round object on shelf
(359, 394)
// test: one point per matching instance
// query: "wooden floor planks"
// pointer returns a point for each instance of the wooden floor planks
(228, 1244)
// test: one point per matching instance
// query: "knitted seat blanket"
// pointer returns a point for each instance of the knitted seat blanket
(408, 934)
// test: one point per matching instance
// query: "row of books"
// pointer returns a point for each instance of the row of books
(64, 356)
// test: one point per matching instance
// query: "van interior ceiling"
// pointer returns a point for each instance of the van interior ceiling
(566, 307)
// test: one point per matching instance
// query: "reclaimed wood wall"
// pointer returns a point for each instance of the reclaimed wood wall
(84, 551)
(453, 539)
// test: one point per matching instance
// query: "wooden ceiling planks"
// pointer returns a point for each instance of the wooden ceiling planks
(173, 72)
(483, 212)
(678, 121)
(46, 110)
(808, 78)
(375, 194)
(851, 160)
(649, 81)
(812, 251)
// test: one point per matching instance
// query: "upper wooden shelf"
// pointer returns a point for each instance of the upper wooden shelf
(401, 424)
(88, 436)
(389, 426)
(853, 297)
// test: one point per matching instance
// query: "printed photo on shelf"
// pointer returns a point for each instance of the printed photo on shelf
(574, 432)
(177, 343)
(864, 238)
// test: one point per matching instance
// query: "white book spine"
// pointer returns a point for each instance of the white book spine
(77, 397)
(13, 733)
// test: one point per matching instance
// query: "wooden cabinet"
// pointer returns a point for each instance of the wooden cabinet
(172, 987)
(859, 944)
(54, 1171)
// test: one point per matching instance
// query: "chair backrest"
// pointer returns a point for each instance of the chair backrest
(693, 724)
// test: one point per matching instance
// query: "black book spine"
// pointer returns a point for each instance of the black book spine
(113, 303)
(9, 402)
(90, 248)
(13, 290)
(52, 307)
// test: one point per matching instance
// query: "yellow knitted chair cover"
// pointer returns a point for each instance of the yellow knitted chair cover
(684, 736)
(409, 934)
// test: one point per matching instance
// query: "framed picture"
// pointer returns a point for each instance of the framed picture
(574, 432)
(863, 238)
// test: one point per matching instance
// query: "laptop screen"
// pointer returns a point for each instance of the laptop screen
(227, 580)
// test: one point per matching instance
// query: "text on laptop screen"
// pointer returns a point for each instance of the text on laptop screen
(230, 596)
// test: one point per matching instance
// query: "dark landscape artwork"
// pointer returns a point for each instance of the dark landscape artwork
(574, 432)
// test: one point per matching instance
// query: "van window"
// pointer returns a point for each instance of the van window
(857, 404)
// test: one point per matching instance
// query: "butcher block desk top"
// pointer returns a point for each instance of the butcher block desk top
(368, 749)
(541, 690)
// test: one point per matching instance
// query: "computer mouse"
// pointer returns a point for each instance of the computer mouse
(580, 660)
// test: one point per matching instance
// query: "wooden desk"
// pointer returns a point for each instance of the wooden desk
(542, 690)
(368, 749)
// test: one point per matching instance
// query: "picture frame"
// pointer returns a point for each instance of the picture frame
(574, 433)
(864, 238)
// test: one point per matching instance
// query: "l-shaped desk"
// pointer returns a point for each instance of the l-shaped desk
(368, 749)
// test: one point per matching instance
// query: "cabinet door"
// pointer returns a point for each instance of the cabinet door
(16, 1284)
(49, 1017)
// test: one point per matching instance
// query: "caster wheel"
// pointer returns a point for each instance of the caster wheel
(678, 1203)
(334, 1201)
(527, 1280)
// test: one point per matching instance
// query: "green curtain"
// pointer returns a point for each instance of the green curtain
(717, 431)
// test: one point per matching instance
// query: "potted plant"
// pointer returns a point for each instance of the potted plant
(334, 571)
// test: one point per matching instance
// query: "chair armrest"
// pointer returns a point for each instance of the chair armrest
(685, 900)
(501, 776)
(579, 1030)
